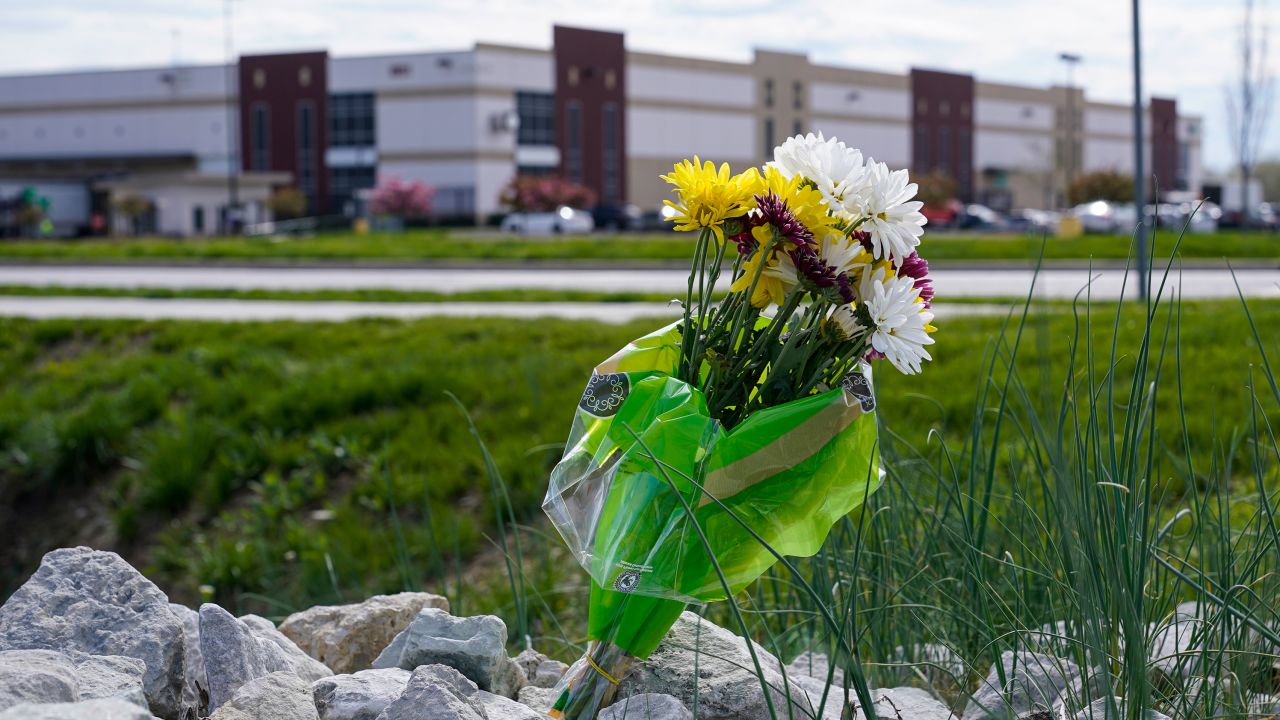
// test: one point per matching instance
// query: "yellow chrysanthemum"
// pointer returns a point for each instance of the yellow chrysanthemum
(708, 196)
(802, 198)
(775, 280)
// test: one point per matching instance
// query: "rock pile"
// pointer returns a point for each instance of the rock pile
(89, 638)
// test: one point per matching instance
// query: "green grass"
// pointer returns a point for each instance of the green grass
(454, 245)
(1093, 468)
(356, 295)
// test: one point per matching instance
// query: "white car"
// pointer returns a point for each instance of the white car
(565, 220)
(1101, 216)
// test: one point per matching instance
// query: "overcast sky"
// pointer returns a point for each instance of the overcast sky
(1190, 45)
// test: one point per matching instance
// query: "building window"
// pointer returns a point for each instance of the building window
(964, 161)
(922, 106)
(944, 108)
(352, 120)
(454, 201)
(768, 137)
(944, 151)
(537, 113)
(797, 95)
(573, 140)
(797, 128)
(307, 151)
(611, 130)
(922, 150)
(259, 138)
(345, 181)
(197, 219)
(768, 92)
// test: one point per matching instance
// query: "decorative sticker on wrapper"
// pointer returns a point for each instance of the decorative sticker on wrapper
(605, 393)
(629, 578)
(859, 386)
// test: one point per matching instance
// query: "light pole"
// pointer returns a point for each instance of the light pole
(1139, 173)
(233, 152)
(1069, 156)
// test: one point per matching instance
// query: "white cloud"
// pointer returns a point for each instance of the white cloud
(1189, 45)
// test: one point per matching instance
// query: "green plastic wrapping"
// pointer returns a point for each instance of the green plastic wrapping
(652, 494)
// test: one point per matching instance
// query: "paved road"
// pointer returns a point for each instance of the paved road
(1059, 283)
(324, 311)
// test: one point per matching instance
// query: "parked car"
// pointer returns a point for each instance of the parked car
(616, 217)
(1269, 215)
(1100, 216)
(564, 220)
(658, 219)
(981, 217)
(1030, 220)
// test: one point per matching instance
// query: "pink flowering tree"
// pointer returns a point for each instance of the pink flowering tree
(545, 193)
(403, 200)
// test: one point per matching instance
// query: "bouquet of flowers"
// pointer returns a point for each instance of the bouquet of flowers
(747, 427)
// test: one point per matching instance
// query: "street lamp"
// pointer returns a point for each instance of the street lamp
(1139, 173)
(233, 152)
(1069, 156)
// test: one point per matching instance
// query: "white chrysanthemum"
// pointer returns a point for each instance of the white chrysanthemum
(898, 322)
(843, 253)
(845, 318)
(836, 169)
(892, 218)
(784, 270)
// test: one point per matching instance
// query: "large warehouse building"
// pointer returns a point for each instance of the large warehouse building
(468, 121)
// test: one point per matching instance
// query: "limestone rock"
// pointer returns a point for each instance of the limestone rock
(538, 698)
(233, 655)
(347, 638)
(811, 664)
(1098, 710)
(1033, 682)
(905, 702)
(100, 709)
(304, 666)
(1173, 649)
(195, 691)
(497, 707)
(37, 676)
(647, 706)
(435, 692)
(274, 696)
(475, 646)
(540, 670)
(726, 679)
(358, 696)
(111, 676)
(95, 602)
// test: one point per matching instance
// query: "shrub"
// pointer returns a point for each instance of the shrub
(545, 193)
(404, 200)
(1102, 185)
(287, 203)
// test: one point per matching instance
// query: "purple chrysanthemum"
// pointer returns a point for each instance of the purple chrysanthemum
(774, 211)
(917, 267)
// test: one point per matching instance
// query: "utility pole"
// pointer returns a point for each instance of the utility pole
(1069, 154)
(233, 151)
(1139, 172)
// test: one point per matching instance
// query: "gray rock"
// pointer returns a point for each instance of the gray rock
(1098, 710)
(304, 666)
(936, 661)
(195, 691)
(538, 698)
(648, 706)
(814, 689)
(347, 638)
(358, 696)
(540, 670)
(1033, 682)
(94, 602)
(907, 703)
(111, 676)
(1173, 654)
(100, 709)
(811, 664)
(475, 646)
(435, 692)
(233, 655)
(274, 696)
(726, 680)
(497, 707)
(37, 676)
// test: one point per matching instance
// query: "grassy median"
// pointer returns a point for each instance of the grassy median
(463, 245)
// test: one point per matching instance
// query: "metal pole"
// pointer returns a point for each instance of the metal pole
(1139, 172)
(1069, 125)
(233, 154)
